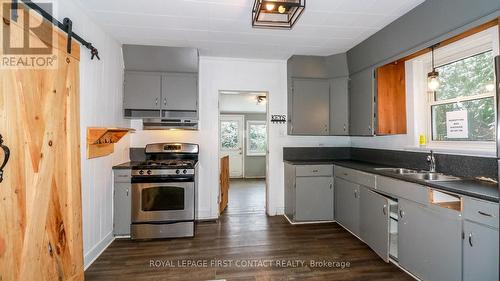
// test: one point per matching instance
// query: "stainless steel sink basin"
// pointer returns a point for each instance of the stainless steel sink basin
(400, 171)
(427, 176)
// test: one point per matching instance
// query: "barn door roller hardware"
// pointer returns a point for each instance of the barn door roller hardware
(6, 154)
(66, 26)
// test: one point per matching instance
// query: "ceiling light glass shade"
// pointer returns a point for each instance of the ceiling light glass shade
(281, 14)
(433, 80)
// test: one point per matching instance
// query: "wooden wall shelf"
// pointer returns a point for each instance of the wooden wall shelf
(100, 141)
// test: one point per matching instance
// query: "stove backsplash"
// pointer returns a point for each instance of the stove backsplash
(137, 154)
(457, 165)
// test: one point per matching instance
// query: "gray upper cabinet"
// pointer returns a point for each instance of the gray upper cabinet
(180, 91)
(374, 221)
(339, 107)
(317, 95)
(429, 241)
(347, 204)
(480, 252)
(361, 103)
(310, 100)
(142, 90)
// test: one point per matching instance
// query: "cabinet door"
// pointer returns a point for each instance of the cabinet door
(339, 107)
(374, 221)
(314, 198)
(122, 209)
(430, 242)
(361, 100)
(180, 91)
(290, 190)
(310, 107)
(142, 90)
(347, 204)
(480, 252)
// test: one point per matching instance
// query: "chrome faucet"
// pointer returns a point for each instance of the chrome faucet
(432, 162)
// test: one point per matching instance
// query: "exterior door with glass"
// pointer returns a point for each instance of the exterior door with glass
(231, 142)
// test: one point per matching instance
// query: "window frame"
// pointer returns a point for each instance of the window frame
(476, 44)
(249, 152)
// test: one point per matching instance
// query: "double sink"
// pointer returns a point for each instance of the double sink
(419, 175)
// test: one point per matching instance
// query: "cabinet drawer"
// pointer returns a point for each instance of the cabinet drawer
(314, 170)
(122, 175)
(401, 189)
(481, 211)
(355, 176)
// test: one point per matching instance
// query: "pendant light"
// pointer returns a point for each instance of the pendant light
(433, 76)
(280, 14)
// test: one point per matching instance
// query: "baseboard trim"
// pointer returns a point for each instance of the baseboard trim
(98, 249)
(305, 222)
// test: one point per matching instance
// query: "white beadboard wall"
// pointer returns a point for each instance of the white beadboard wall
(244, 75)
(100, 105)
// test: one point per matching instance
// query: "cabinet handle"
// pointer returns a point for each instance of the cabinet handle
(165, 101)
(126, 191)
(331, 185)
(314, 171)
(401, 213)
(470, 239)
(384, 210)
(485, 214)
(355, 194)
(156, 101)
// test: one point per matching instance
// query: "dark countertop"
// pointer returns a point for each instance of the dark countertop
(469, 187)
(126, 165)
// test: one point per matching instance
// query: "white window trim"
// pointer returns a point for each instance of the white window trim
(475, 44)
(249, 123)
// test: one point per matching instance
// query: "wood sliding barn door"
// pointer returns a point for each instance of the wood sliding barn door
(40, 196)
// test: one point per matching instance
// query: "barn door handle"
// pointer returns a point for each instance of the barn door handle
(6, 153)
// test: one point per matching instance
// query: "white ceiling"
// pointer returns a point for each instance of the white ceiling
(223, 27)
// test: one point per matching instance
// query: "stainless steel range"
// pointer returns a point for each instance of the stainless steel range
(164, 192)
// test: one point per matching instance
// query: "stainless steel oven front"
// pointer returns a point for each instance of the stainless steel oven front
(163, 201)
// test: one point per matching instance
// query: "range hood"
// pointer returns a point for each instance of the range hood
(169, 124)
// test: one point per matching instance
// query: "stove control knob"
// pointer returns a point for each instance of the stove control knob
(141, 172)
(177, 171)
(149, 172)
(185, 171)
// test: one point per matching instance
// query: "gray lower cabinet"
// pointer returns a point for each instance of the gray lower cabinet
(180, 91)
(374, 221)
(314, 198)
(430, 242)
(480, 252)
(122, 202)
(347, 204)
(309, 192)
(339, 107)
(142, 90)
(361, 103)
(309, 107)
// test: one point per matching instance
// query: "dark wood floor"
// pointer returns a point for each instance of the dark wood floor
(243, 237)
(246, 196)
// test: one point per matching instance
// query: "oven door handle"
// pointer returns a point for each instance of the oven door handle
(161, 180)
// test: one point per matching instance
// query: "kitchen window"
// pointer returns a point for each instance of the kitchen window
(256, 138)
(461, 113)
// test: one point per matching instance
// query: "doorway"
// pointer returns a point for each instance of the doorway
(243, 151)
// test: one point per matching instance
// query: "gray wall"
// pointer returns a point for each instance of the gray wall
(255, 166)
(427, 24)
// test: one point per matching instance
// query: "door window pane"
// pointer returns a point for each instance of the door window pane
(467, 77)
(481, 119)
(229, 134)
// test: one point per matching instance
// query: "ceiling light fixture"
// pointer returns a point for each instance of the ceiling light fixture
(265, 14)
(433, 76)
(261, 99)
